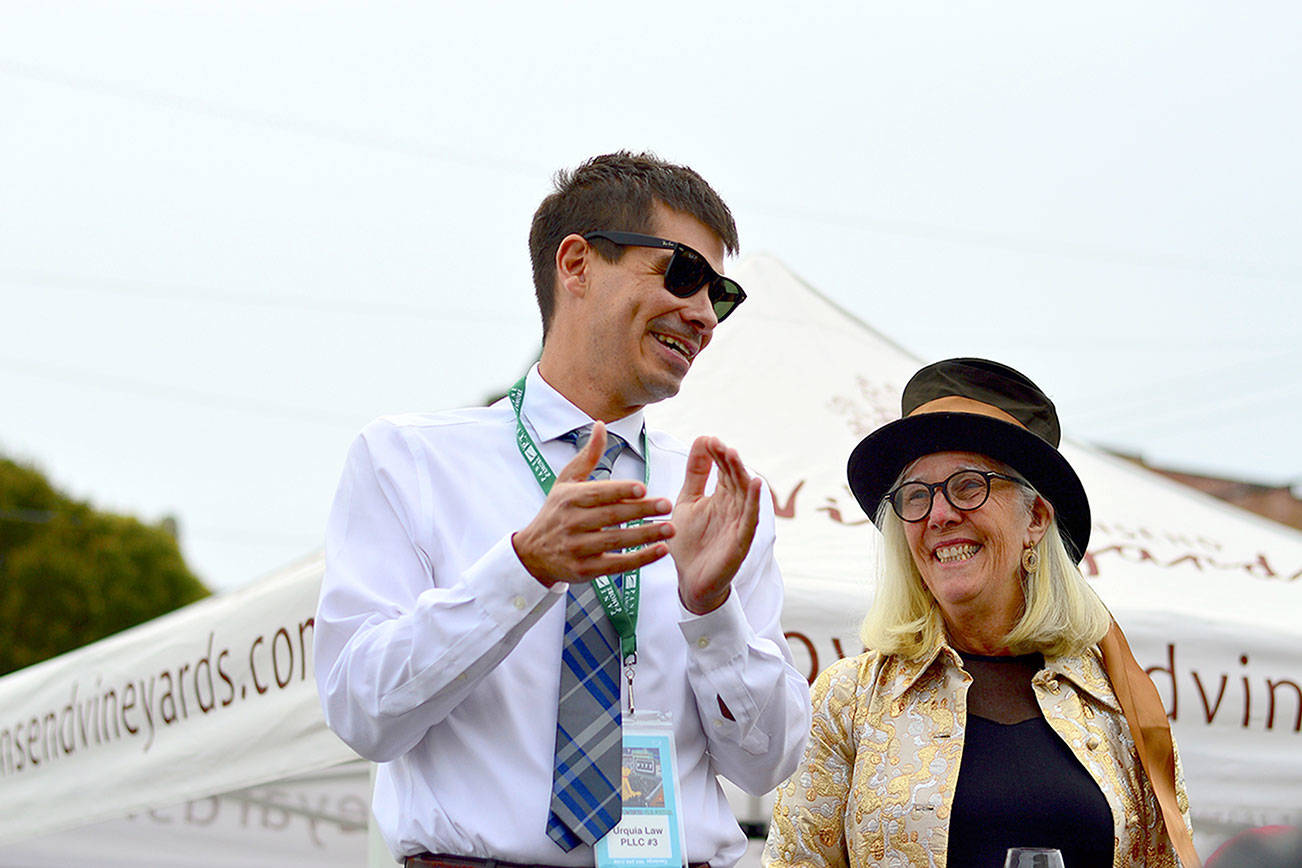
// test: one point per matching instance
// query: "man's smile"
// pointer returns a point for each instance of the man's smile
(677, 344)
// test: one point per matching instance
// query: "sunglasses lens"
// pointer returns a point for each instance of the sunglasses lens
(725, 295)
(687, 271)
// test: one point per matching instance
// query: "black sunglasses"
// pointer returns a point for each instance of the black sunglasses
(687, 273)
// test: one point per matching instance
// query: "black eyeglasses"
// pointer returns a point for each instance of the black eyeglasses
(687, 272)
(965, 490)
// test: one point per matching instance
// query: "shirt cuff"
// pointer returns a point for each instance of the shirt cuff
(718, 643)
(716, 638)
(505, 590)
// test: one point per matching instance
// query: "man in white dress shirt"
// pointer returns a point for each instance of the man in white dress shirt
(443, 609)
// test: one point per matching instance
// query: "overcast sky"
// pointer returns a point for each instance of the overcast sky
(231, 233)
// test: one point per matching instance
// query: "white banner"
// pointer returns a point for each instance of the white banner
(315, 821)
(214, 697)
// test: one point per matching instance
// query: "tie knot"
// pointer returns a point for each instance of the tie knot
(614, 445)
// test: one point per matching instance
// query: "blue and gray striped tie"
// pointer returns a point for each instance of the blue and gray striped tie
(586, 801)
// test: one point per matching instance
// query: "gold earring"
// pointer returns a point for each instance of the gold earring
(1030, 560)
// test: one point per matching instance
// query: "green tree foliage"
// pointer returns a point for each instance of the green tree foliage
(70, 574)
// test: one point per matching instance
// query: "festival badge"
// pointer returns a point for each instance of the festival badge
(650, 830)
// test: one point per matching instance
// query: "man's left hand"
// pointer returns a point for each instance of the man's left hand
(713, 532)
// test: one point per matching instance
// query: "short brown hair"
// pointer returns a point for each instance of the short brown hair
(617, 191)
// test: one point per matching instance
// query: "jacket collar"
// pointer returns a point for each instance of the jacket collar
(1083, 670)
(1086, 672)
(907, 672)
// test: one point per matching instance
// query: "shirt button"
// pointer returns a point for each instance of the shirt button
(703, 642)
(518, 602)
(718, 724)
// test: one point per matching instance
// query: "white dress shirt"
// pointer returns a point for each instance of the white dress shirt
(438, 655)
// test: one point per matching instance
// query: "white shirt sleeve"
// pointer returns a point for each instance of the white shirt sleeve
(396, 648)
(738, 655)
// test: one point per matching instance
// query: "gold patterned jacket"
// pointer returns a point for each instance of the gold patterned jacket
(878, 776)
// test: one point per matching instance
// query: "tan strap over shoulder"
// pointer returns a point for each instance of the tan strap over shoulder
(1146, 717)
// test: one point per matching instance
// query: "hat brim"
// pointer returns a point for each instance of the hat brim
(877, 461)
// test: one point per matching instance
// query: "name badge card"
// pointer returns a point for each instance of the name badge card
(650, 829)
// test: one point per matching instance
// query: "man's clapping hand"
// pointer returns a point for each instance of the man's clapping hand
(576, 535)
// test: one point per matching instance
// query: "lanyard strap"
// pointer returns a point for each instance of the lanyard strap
(620, 606)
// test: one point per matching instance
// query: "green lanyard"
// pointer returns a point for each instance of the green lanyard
(620, 608)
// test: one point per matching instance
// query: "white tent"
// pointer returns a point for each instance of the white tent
(1210, 596)
(218, 697)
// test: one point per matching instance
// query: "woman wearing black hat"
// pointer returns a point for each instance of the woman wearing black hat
(999, 705)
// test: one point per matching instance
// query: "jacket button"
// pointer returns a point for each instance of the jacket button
(1092, 742)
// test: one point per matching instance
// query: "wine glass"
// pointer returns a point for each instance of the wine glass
(1033, 857)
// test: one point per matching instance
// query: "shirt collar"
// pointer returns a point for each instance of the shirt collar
(551, 414)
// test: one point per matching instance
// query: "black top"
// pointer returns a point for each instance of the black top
(1019, 785)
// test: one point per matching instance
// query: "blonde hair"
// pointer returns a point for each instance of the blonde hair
(1061, 614)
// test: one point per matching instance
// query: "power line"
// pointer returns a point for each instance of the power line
(336, 133)
(176, 292)
(1026, 244)
(1132, 343)
(249, 536)
(417, 148)
(1140, 398)
(178, 394)
(1207, 414)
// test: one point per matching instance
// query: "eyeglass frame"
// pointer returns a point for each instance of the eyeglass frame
(727, 285)
(943, 486)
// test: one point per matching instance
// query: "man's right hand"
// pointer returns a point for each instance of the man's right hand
(576, 536)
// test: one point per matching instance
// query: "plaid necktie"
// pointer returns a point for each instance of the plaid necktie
(586, 800)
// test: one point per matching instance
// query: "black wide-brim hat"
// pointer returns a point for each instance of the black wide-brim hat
(975, 405)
